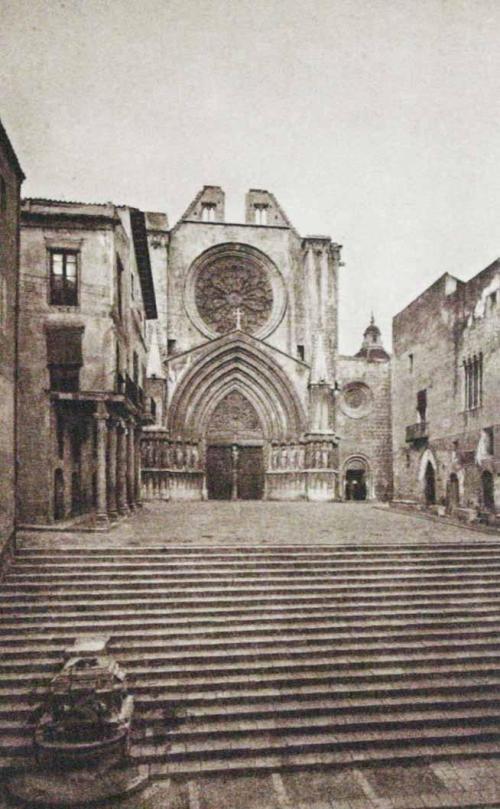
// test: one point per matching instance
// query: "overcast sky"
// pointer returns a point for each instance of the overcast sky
(374, 122)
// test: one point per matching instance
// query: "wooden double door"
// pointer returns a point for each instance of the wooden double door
(235, 472)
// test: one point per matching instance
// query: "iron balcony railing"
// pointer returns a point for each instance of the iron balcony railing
(417, 432)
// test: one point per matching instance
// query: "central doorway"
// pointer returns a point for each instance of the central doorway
(235, 472)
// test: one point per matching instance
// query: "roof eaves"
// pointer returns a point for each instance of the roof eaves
(4, 139)
(140, 239)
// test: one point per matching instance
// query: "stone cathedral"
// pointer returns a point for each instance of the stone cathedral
(251, 398)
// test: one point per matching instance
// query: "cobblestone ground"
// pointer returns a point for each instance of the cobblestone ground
(227, 523)
(465, 784)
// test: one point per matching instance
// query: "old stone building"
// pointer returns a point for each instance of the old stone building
(11, 177)
(446, 395)
(252, 398)
(86, 292)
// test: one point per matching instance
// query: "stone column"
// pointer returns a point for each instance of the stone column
(234, 487)
(101, 417)
(137, 467)
(112, 468)
(121, 469)
(131, 464)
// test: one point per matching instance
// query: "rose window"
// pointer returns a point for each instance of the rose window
(233, 293)
(356, 399)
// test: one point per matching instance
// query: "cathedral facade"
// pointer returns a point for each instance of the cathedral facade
(252, 399)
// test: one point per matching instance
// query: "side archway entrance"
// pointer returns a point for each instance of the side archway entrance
(430, 484)
(488, 491)
(356, 479)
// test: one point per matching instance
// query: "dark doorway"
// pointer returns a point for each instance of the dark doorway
(453, 493)
(76, 494)
(250, 473)
(488, 491)
(355, 484)
(430, 484)
(219, 473)
(235, 472)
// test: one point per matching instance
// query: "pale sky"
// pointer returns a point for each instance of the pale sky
(376, 122)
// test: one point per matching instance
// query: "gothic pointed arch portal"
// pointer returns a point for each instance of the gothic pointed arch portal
(236, 363)
(235, 400)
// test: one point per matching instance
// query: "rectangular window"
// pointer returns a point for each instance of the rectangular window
(208, 212)
(260, 214)
(63, 278)
(410, 363)
(422, 404)
(300, 352)
(119, 286)
(171, 346)
(64, 357)
(135, 366)
(473, 382)
(65, 378)
(489, 436)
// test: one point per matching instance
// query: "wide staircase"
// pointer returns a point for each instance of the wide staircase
(267, 657)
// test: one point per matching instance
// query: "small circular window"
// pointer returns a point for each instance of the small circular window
(356, 399)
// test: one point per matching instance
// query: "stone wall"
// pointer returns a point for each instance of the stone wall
(10, 182)
(363, 422)
(100, 235)
(447, 325)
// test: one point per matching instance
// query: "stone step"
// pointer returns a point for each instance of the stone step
(157, 644)
(18, 575)
(289, 742)
(95, 619)
(309, 601)
(472, 599)
(230, 658)
(43, 546)
(150, 711)
(15, 735)
(242, 569)
(481, 574)
(336, 586)
(220, 704)
(239, 764)
(131, 587)
(344, 610)
(141, 627)
(189, 731)
(302, 701)
(312, 705)
(153, 598)
(170, 681)
(245, 657)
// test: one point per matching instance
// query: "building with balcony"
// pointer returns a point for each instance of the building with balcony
(11, 177)
(446, 396)
(86, 295)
